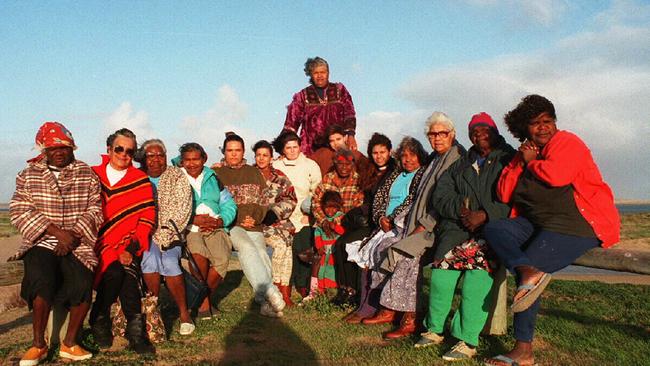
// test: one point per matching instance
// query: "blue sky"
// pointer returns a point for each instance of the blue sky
(188, 71)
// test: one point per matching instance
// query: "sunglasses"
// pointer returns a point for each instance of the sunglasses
(121, 149)
(442, 134)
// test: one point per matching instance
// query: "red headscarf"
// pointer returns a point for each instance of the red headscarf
(52, 134)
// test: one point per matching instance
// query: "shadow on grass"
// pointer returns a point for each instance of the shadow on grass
(628, 329)
(169, 310)
(23, 320)
(258, 340)
(231, 283)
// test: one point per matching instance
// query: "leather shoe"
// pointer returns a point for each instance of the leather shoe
(353, 318)
(406, 328)
(383, 316)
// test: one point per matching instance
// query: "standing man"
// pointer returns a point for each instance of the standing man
(319, 106)
(57, 209)
(129, 217)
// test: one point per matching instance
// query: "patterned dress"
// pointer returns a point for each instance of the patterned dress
(312, 115)
(281, 199)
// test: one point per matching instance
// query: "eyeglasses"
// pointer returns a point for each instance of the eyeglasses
(443, 134)
(121, 149)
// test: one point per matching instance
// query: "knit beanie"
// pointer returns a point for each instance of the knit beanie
(481, 119)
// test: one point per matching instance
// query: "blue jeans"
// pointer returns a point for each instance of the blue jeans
(518, 243)
(254, 260)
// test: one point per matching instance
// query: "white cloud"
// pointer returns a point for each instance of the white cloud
(125, 116)
(598, 81)
(624, 11)
(543, 12)
(228, 113)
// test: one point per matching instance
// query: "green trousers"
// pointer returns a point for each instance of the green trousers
(470, 317)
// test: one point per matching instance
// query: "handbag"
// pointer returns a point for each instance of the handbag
(196, 289)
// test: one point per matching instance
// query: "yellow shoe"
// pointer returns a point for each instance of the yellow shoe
(33, 356)
(75, 353)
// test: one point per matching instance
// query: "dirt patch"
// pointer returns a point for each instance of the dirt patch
(631, 279)
(642, 244)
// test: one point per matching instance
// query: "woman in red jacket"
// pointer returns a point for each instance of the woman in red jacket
(561, 207)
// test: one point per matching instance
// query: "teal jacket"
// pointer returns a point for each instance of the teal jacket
(215, 196)
(462, 181)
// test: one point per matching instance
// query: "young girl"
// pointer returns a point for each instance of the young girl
(322, 271)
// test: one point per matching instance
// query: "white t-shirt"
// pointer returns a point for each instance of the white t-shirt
(114, 175)
(201, 209)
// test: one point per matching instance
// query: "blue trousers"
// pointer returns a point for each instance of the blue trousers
(517, 243)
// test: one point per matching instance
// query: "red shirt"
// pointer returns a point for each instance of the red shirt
(567, 160)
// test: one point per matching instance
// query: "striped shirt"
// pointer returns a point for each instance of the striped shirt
(72, 202)
(348, 189)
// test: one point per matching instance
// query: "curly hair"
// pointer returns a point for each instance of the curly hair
(528, 108)
(378, 139)
(414, 146)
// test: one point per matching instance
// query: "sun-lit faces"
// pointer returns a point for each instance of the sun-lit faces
(380, 155)
(337, 141)
(121, 153)
(155, 160)
(291, 150)
(233, 153)
(263, 157)
(410, 160)
(440, 138)
(193, 162)
(320, 76)
(541, 129)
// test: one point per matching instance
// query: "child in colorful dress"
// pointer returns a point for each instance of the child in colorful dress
(323, 275)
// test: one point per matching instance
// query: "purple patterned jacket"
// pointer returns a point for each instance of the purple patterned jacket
(312, 115)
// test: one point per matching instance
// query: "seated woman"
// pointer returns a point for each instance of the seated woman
(305, 175)
(248, 187)
(465, 200)
(276, 226)
(405, 259)
(561, 208)
(173, 195)
(358, 225)
(390, 206)
(213, 212)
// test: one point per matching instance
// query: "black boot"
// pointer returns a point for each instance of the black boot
(102, 333)
(136, 333)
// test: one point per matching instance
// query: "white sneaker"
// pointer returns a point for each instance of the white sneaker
(274, 298)
(186, 329)
(267, 310)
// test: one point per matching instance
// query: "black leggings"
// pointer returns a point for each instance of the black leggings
(121, 282)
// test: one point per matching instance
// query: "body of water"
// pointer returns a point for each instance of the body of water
(631, 209)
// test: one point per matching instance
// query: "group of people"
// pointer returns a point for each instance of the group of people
(365, 225)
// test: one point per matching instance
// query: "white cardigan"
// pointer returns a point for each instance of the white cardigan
(305, 175)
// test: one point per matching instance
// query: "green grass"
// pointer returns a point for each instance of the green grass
(6, 229)
(581, 323)
(635, 226)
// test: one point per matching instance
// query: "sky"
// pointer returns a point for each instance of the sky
(189, 71)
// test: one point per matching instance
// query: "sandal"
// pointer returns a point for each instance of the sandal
(507, 360)
(534, 290)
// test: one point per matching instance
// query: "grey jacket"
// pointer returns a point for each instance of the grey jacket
(422, 212)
